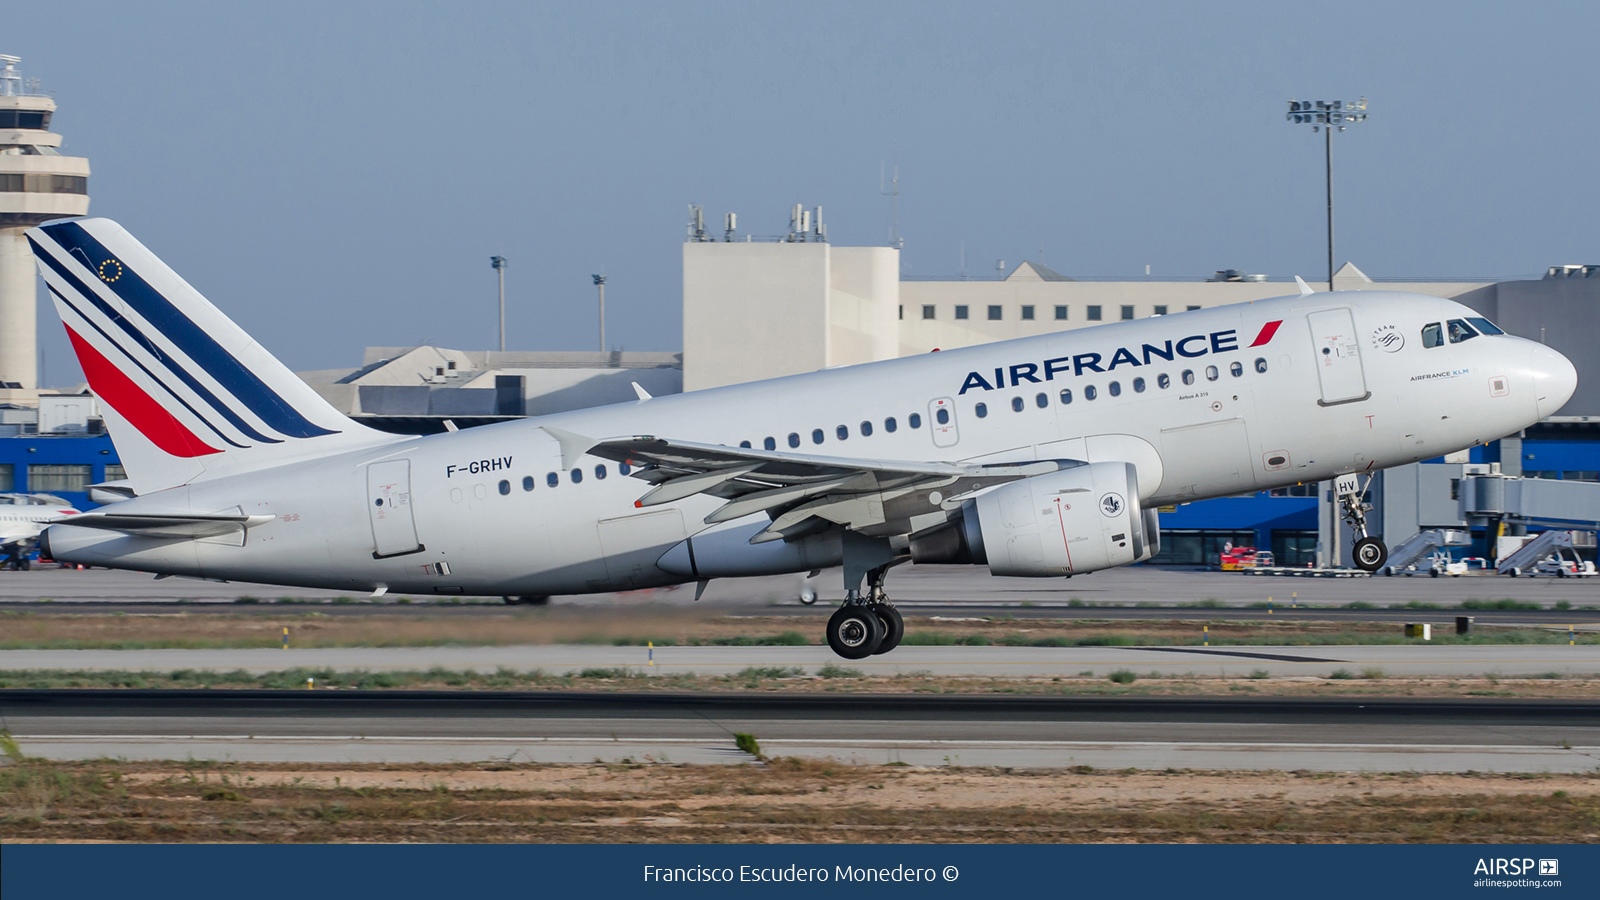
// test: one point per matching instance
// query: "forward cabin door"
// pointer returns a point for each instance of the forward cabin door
(394, 531)
(1333, 335)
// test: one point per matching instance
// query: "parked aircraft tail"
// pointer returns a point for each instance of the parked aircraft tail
(186, 393)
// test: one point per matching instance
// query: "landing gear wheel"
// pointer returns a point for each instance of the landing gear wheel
(855, 631)
(528, 600)
(808, 595)
(1370, 554)
(894, 627)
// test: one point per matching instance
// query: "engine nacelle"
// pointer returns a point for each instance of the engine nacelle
(1066, 523)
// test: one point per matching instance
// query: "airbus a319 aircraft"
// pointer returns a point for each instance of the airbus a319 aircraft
(1044, 456)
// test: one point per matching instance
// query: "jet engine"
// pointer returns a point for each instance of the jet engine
(1065, 523)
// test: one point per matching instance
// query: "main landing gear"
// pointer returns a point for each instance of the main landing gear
(1369, 552)
(866, 625)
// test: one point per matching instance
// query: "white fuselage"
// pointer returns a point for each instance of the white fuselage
(1294, 413)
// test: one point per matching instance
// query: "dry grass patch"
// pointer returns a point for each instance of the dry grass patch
(785, 800)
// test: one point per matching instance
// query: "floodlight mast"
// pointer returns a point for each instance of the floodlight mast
(498, 263)
(1327, 115)
(600, 282)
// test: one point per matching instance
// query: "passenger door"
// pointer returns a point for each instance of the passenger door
(1338, 353)
(942, 422)
(394, 531)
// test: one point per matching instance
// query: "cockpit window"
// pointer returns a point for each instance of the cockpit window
(1486, 326)
(1461, 331)
(1432, 335)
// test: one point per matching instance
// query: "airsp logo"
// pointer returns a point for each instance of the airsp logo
(1111, 504)
(1388, 339)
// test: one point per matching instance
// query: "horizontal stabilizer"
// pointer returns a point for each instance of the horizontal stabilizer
(174, 525)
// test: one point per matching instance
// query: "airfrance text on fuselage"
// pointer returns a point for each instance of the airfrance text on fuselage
(1191, 347)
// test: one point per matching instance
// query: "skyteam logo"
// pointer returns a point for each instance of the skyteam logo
(1190, 347)
(1388, 339)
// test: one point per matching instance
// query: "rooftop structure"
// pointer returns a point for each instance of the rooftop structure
(414, 389)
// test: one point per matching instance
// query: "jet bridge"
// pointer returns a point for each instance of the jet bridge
(1491, 496)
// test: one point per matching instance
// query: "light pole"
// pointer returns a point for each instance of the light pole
(499, 265)
(600, 282)
(1327, 115)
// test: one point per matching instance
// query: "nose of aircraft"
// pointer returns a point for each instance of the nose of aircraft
(1554, 380)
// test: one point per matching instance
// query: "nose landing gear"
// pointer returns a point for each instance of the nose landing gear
(1369, 552)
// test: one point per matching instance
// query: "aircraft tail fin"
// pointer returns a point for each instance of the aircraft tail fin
(186, 393)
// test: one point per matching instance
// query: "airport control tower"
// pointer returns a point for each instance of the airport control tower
(37, 184)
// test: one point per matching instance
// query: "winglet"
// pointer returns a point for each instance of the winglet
(1304, 288)
(643, 394)
(572, 445)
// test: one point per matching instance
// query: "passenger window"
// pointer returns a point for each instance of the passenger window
(914, 420)
(552, 479)
(890, 425)
(817, 436)
(1016, 404)
(1115, 388)
(1138, 385)
(942, 416)
(1066, 396)
(866, 429)
(1041, 400)
(1485, 326)
(794, 439)
(745, 444)
(1433, 335)
(981, 410)
(1211, 373)
(770, 443)
(843, 433)
(1088, 392)
(600, 472)
(577, 476)
(1236, 369)
(624, 468)
(1188, 376)
(1261, 365)
(505, 487)
(527, 482)
(1461, 331)
(1163, 382)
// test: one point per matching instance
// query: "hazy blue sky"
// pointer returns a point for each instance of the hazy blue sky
(334, 175)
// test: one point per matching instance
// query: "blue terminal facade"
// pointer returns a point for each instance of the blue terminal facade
(63, 465)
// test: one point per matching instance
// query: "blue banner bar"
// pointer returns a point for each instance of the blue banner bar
(306, 872)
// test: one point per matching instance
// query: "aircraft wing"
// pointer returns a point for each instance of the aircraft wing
(168, 525)
(802, 493)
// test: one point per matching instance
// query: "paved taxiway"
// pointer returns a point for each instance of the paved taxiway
(1475, 659)
(1325, 735)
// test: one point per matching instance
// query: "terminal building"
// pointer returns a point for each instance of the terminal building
(763, 306)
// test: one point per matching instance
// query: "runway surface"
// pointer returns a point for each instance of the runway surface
(955, 587)
(1476, 659)
(292, 726)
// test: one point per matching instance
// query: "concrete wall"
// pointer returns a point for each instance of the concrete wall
(753, 311)
(863, 305)
(1562, 313)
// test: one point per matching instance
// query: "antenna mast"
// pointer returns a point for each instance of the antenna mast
(894, 231)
